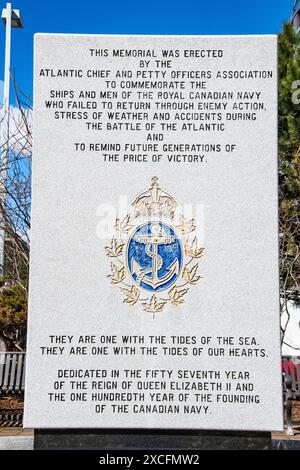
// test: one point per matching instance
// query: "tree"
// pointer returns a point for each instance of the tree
(15, 204)
(289, 169)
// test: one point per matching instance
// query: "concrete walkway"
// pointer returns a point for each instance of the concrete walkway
(281, 441)
(16, 439)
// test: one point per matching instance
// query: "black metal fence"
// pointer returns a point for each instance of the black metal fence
(12, 384)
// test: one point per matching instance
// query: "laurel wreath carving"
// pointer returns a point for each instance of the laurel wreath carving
(186, 226)
(115, 249)
(134, 295)
(117, 274)
(123, 226)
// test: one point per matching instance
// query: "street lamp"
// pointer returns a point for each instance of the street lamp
(12, 19)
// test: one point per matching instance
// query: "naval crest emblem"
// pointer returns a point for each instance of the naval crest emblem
(154, 259)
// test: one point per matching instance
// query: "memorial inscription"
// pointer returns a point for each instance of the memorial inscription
(154, 272)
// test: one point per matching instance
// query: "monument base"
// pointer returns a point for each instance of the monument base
(108, 439)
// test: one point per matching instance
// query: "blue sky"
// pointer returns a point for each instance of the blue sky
(135, 17)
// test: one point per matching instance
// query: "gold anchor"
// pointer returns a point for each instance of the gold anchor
(158, 237)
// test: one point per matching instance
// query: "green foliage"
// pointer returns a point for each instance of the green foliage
(13, 316)
(289, 112)
(289, 161)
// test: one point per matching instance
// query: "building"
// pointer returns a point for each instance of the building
(296, 16)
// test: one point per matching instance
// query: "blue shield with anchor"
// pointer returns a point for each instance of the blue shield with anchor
(154, 256)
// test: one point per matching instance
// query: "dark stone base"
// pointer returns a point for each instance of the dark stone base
(128, 439)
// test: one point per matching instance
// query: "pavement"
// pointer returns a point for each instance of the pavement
(281, 441)
(16, 439)
(283, 435)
